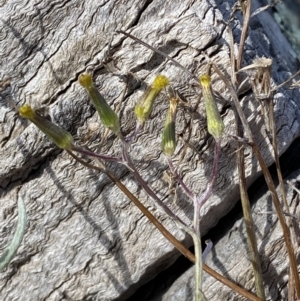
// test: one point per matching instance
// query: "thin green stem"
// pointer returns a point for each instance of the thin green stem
(199, 296)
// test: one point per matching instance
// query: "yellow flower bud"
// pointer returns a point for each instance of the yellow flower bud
(169, 136)
(58, 135)
(215, 123)
(108, 117)
(143, 108)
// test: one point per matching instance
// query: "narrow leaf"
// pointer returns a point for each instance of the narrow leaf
(12, 248)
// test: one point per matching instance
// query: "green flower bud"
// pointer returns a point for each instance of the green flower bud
(215, 123)
(59, 136)
(143, 108)
(108, 117)
(168, 143)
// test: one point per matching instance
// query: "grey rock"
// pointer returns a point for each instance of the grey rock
(85, 240)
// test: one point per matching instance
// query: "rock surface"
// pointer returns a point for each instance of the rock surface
(84, 239)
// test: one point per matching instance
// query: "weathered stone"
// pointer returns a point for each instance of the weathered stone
(85, 240)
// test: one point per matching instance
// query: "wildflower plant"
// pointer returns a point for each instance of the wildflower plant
(96, 160)
(109, 118)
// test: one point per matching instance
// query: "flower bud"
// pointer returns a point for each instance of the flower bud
(108, 117)
(168, 143)
(59, 136)
(215, 123)
(143, 108)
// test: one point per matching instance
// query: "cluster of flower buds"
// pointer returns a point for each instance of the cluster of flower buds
(143, 108)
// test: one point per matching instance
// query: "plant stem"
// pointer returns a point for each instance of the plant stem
(285, 228)
(250, 229)
(268, 178)
(95, 155)
(199, 201)
(286, 82)
(144, 210)
(158, 51)
(208, 191)
(188, 192)
(165, 232)
(133, 135)
(270, 101)
(275, 148)
(146, 187)
(244, 34)
(199, 296)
